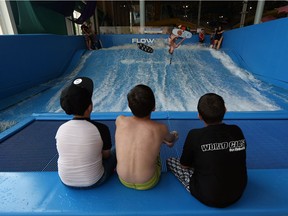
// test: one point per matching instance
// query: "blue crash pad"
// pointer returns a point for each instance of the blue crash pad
(42, 193)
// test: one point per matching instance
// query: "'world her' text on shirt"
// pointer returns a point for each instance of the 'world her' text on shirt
(233, 146)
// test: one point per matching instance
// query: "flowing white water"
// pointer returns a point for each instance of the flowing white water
(194, 71)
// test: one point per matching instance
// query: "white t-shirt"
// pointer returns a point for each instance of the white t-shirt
(79, 146)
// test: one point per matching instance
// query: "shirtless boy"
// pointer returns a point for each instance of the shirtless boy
(138, 140)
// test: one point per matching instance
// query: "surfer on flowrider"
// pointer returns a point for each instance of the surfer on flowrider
(176, 33)
(172, 43)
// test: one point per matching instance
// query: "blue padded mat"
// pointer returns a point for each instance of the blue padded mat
(33, 148)
(42, 193)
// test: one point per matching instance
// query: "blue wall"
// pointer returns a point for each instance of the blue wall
(262, 49)
(121, 39)
(29, 60)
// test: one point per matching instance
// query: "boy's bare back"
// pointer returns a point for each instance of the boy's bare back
(138, 142)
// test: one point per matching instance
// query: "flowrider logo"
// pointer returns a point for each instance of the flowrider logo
(142, 40)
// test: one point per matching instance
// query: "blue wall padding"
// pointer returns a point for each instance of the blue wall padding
(262, 49)
(150, 39)
(29, 60)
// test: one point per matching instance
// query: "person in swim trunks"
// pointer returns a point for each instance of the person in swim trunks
(138, 140)
(149, 184)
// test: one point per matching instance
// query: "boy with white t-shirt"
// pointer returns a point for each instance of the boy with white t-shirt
(84, 147)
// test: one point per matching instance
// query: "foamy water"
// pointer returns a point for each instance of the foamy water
(194, 71)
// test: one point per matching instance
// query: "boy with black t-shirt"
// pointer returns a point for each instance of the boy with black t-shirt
(213, 162)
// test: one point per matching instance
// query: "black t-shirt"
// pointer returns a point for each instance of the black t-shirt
(218, 155)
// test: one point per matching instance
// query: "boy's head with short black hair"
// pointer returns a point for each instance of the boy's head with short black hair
(77, 97)
(211, 108)
(141, 100)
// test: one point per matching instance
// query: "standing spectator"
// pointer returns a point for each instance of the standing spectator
(218, 38)
(201, 36)
(89, 37)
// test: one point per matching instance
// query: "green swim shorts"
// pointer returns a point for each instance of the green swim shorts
(147, 185)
